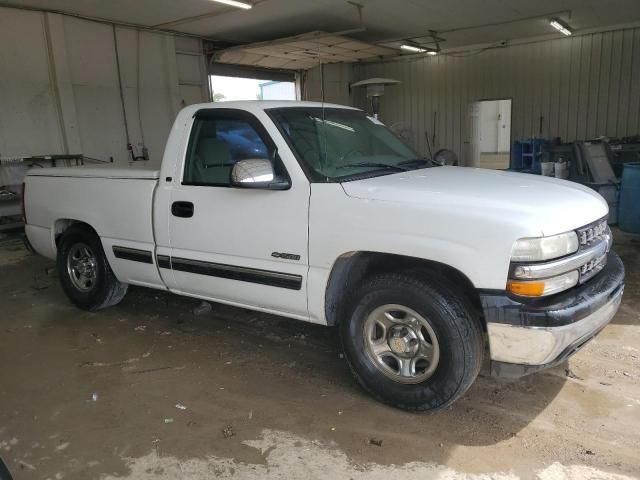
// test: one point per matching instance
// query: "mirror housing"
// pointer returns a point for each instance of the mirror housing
(445, 157)
(257, 173)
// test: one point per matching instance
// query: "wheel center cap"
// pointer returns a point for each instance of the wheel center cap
(403, 341)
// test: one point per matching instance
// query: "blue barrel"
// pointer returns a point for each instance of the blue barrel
(629, 203)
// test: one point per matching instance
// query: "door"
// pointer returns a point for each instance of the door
(245, 247)
(490, 134)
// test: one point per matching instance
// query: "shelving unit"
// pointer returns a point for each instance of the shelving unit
(10, 206)
(527, 155)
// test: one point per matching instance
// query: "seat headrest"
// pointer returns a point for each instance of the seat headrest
(213, 151)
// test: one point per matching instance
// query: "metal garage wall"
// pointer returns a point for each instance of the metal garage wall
(334, 86)
(59, 88)
(580, 87)
(27, 101)
(192, 71)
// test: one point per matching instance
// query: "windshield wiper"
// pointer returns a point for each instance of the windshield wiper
(386, 166)
(416, 163)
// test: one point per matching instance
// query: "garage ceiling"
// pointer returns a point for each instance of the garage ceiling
(386, 21)
(303, 52)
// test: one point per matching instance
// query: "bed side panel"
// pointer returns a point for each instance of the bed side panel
(119, 210)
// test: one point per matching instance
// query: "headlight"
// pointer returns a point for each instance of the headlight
(547, 286)
(544, 248)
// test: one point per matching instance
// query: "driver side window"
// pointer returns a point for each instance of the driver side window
(216, 144)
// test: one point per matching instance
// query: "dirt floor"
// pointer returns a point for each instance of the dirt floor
(148, 390)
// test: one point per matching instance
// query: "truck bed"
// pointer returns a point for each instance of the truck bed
(116, 202)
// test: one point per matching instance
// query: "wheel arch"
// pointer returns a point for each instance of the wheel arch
(106, 290)
(61, 225)
(351, 268)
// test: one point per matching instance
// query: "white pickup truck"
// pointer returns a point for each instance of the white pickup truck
(319, 213)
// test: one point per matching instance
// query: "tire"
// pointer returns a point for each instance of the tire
(99, 288)
(443, 328)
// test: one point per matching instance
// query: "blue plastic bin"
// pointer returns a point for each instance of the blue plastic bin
(629, 203)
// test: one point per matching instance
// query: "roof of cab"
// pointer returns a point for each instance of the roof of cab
(265, 105)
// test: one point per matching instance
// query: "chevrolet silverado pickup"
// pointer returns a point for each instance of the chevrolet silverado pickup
(319, 213)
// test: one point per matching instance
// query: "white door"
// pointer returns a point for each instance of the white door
(245, 247)
(473, 155)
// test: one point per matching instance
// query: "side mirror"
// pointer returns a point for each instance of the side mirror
(257, 173)
(445, 157)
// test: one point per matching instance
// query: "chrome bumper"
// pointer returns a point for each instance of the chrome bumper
(526, 336)
(545, 345)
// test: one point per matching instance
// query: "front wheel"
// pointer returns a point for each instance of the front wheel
(84, 271)
(411, 343)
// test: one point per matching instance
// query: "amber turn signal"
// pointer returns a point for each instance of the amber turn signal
(526, 289)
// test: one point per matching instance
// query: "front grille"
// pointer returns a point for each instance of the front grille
(588, 236)
(592, 233)
(591, 269)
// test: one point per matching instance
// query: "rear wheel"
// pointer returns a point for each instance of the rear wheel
(84, 271)
(411, 343)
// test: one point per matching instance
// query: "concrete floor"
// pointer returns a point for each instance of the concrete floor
(150, 390)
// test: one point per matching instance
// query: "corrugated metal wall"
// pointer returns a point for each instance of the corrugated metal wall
(580, 87)
(59, 88)
(337, 78)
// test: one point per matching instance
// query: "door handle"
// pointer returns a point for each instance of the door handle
(182, 209)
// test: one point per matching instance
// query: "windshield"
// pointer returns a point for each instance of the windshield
(341, 144)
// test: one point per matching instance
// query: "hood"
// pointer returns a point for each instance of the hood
(546, 204)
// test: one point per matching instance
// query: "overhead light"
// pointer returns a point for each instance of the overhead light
(416, 49)
(234, 3)
(412, 48)
(560, 26)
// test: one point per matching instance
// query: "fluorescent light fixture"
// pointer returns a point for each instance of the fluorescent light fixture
(416, 49)
(412, 48)
(560, 26)
(234, 3)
